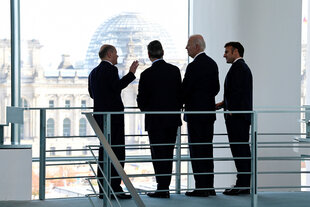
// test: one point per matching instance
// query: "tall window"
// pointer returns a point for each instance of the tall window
(61, 67)
(50, 127)
(82, 127)
(51, 104)
(67, 103)
(66, 127)
(83, 103)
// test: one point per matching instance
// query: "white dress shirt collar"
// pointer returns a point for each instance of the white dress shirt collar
(237, 59)
(107, 61)
(198, 54)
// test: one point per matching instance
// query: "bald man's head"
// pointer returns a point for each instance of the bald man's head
(195, 45)
(108, 53)
(103, 52)
(198, 40)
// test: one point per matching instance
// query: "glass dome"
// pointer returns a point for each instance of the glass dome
(129, 33)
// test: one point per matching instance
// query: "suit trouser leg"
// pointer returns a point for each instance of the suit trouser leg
(238, 131)
(202, 132)
(117, 138)
(162, 136)
(99, 173)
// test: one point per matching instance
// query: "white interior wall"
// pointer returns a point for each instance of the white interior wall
(15, 171)
(270, 31)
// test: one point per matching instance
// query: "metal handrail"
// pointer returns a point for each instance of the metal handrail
(179, 145)
(111, 155)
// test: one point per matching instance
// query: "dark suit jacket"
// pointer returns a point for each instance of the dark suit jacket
(105, 86)
(160, 90)
(238, 89)
(200, 86)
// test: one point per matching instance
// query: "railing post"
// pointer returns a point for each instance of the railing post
(1, 134)
(254, 159)
(178, 162)
(42, 154)
(106, 159)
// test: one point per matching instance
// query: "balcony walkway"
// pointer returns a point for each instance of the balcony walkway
(265, 199)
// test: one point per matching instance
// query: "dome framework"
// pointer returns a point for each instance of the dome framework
(129, 33)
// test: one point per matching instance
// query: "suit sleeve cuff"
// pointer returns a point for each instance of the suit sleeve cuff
(131, 75)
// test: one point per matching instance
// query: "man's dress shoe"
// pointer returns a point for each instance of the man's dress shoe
(121, 196)
(159, 194)
(198, 193)
(234, 191)
(212, 192)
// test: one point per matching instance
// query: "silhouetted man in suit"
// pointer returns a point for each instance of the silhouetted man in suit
(200, 86)
(160, 90)
(238, 90)
(105, 86)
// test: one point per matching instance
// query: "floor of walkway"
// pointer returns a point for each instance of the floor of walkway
(265, 199)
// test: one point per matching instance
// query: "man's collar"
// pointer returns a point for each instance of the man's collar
(107, 61)
(156, 60)
(198, 54)
(237, 59)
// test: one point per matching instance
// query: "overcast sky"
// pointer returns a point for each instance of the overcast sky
(66, 26)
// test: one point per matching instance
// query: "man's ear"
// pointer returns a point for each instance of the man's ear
(198, 48)
(236, 51)
(109, 54)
